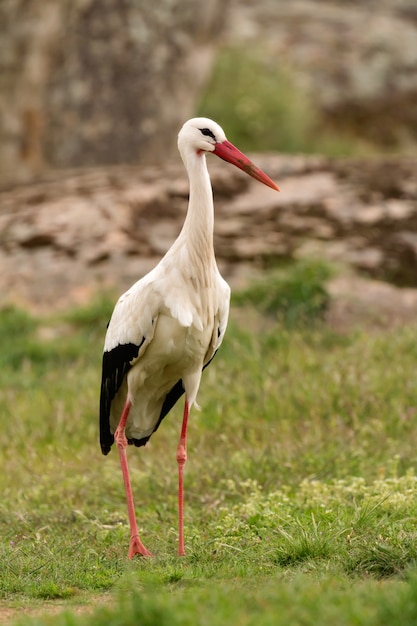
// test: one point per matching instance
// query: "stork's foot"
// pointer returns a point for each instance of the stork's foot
(137, 547)
(120, 438)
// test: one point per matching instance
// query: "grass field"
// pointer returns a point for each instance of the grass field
(301, 496)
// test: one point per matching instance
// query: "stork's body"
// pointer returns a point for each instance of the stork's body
(167, 327)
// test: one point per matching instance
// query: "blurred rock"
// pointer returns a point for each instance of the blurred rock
(88, 82)
(96, 82)
(358, 59)
(356, 301)
(78, 233)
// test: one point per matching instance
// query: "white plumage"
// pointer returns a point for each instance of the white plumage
(168, 326)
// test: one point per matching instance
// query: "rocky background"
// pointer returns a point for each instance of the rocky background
(92, 192)
(358, 59)
(86, 82)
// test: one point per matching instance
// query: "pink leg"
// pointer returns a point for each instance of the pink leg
(136, 546)
(181, 459)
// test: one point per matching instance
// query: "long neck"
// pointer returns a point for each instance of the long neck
(198, 227)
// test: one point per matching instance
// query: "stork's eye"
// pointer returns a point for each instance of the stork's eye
(208, 133)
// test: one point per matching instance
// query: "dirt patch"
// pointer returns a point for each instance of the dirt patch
(357, 301)
(89, 603)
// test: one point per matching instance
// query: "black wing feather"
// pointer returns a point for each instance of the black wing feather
(170, 399)
(116, 364)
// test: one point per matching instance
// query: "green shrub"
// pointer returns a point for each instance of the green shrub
(296, 294)
(262, 107)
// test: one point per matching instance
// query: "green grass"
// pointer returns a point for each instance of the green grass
(301, 496)
(296, 293)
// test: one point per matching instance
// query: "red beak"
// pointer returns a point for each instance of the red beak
(228, 152)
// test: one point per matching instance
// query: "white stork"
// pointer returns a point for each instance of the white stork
(169, 325)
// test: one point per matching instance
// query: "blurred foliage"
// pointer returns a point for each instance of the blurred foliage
(93, 315)
(296, 294)
(16, 330)
(264, 108)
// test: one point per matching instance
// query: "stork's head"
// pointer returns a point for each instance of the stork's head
(201, 134)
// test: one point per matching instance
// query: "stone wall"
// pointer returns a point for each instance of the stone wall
(89, 82)
(357, 59)
(65, 239)
(86, 82)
